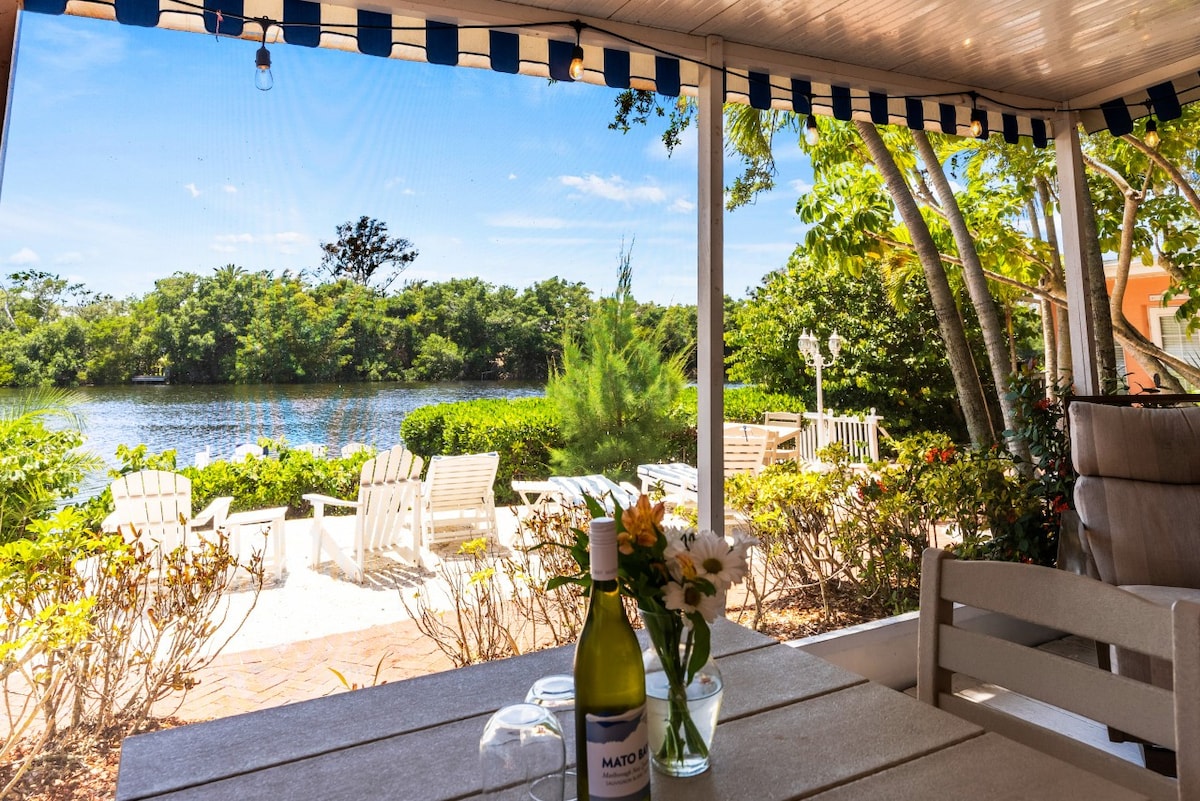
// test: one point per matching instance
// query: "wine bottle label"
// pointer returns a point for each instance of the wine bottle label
(618, 756)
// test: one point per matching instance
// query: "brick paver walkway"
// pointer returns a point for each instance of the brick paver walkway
(250, 680)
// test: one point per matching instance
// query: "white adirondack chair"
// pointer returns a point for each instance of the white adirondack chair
(457, 500)
(388, 498)
(156, 506)
(250, 449)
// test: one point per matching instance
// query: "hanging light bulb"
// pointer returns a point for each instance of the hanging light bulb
(576, 69)
(978, 121)
(263, 80)
(812, 134)
(1152, 138)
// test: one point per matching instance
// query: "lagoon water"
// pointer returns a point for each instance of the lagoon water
(189, 418)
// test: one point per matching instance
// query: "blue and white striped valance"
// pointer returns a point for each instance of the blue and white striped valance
(543, 50)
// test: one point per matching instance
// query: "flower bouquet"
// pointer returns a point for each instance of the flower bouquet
(678, 578)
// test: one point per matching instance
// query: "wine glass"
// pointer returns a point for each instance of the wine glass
(557, 693)
(521, 755)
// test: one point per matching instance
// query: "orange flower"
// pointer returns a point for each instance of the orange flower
(625, 542)
(641, 521)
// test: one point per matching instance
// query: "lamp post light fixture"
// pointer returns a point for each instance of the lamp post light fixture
(810, 350)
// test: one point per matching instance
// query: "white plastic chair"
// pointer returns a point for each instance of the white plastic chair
(317, 450)
(457, 499)
(351, 448)
(156, 507)
(388, 496)
(247, 449)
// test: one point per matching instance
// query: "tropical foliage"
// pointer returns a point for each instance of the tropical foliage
(615, 392)
(248, 327)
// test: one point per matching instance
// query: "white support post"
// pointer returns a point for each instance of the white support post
(710, 288)
(1072, 192)
(10, 17)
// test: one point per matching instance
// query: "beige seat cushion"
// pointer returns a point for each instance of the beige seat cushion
(1138, 492)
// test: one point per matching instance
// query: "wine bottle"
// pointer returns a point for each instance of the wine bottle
(612, 745)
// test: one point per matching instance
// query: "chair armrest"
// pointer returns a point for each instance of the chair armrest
(110, 524)
(215, 512)
(319, 502)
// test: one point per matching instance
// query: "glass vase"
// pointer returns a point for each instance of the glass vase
(681, 716)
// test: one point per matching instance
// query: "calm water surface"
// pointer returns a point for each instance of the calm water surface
(189, 418)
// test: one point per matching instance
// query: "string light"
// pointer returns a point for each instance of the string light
(978, 119)
(1152, 138)
(263, 79)
(576, 70)
(812, 134)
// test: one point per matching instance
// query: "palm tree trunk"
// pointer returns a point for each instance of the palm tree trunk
(986, 310)
(958, 353)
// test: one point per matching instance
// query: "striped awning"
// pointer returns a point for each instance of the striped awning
(612, 59)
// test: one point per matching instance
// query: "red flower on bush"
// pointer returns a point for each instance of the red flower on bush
(1043, 404)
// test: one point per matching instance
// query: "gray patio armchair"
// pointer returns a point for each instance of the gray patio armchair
(1138, 504)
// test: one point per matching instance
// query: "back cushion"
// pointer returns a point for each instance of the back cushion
(1138, 492)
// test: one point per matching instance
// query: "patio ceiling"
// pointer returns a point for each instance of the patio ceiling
(915, 62)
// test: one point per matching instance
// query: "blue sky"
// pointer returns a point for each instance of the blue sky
(136, 153)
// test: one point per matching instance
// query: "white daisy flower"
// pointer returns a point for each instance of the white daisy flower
(717, 561)
(687, 598)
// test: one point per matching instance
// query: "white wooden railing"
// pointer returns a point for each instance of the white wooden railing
(860, 435)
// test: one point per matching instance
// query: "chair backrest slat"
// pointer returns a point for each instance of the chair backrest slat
(1077, 605)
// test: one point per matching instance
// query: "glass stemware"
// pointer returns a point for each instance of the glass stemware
(521, 755)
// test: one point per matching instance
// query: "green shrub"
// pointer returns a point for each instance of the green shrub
(521, 430)
(253, 483)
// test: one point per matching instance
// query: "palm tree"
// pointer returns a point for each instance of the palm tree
(41, 463)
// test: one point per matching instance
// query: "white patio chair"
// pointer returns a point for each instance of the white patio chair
(1078, 605)
(785, 420)
(247, 449)
(156, 507)
(387, 501)
(316, 449)
(351, 448)
(457, 499)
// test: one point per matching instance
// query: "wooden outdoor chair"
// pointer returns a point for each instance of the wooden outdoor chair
(458, 501)
(785, 450)
(387, 506)
(155, 506)
(1078, 605)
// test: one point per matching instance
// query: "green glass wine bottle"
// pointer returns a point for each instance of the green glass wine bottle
(612, 746)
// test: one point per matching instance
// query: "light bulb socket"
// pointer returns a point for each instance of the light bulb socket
(262, 59)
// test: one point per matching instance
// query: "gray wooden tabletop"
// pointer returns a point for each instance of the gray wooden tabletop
(792, 726)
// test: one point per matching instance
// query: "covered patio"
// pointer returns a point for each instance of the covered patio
(1023, 69)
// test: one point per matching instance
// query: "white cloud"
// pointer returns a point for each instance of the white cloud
(24, 256)
(234, 239)
(614, 188)
(70, 257)
(512, 176)
(287, 242)
(681, 206)
(516, 220)
(408, 191)
(800, 186)
(230, 188)
(191, 188)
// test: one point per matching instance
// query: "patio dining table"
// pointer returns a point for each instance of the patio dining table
(792, 726)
